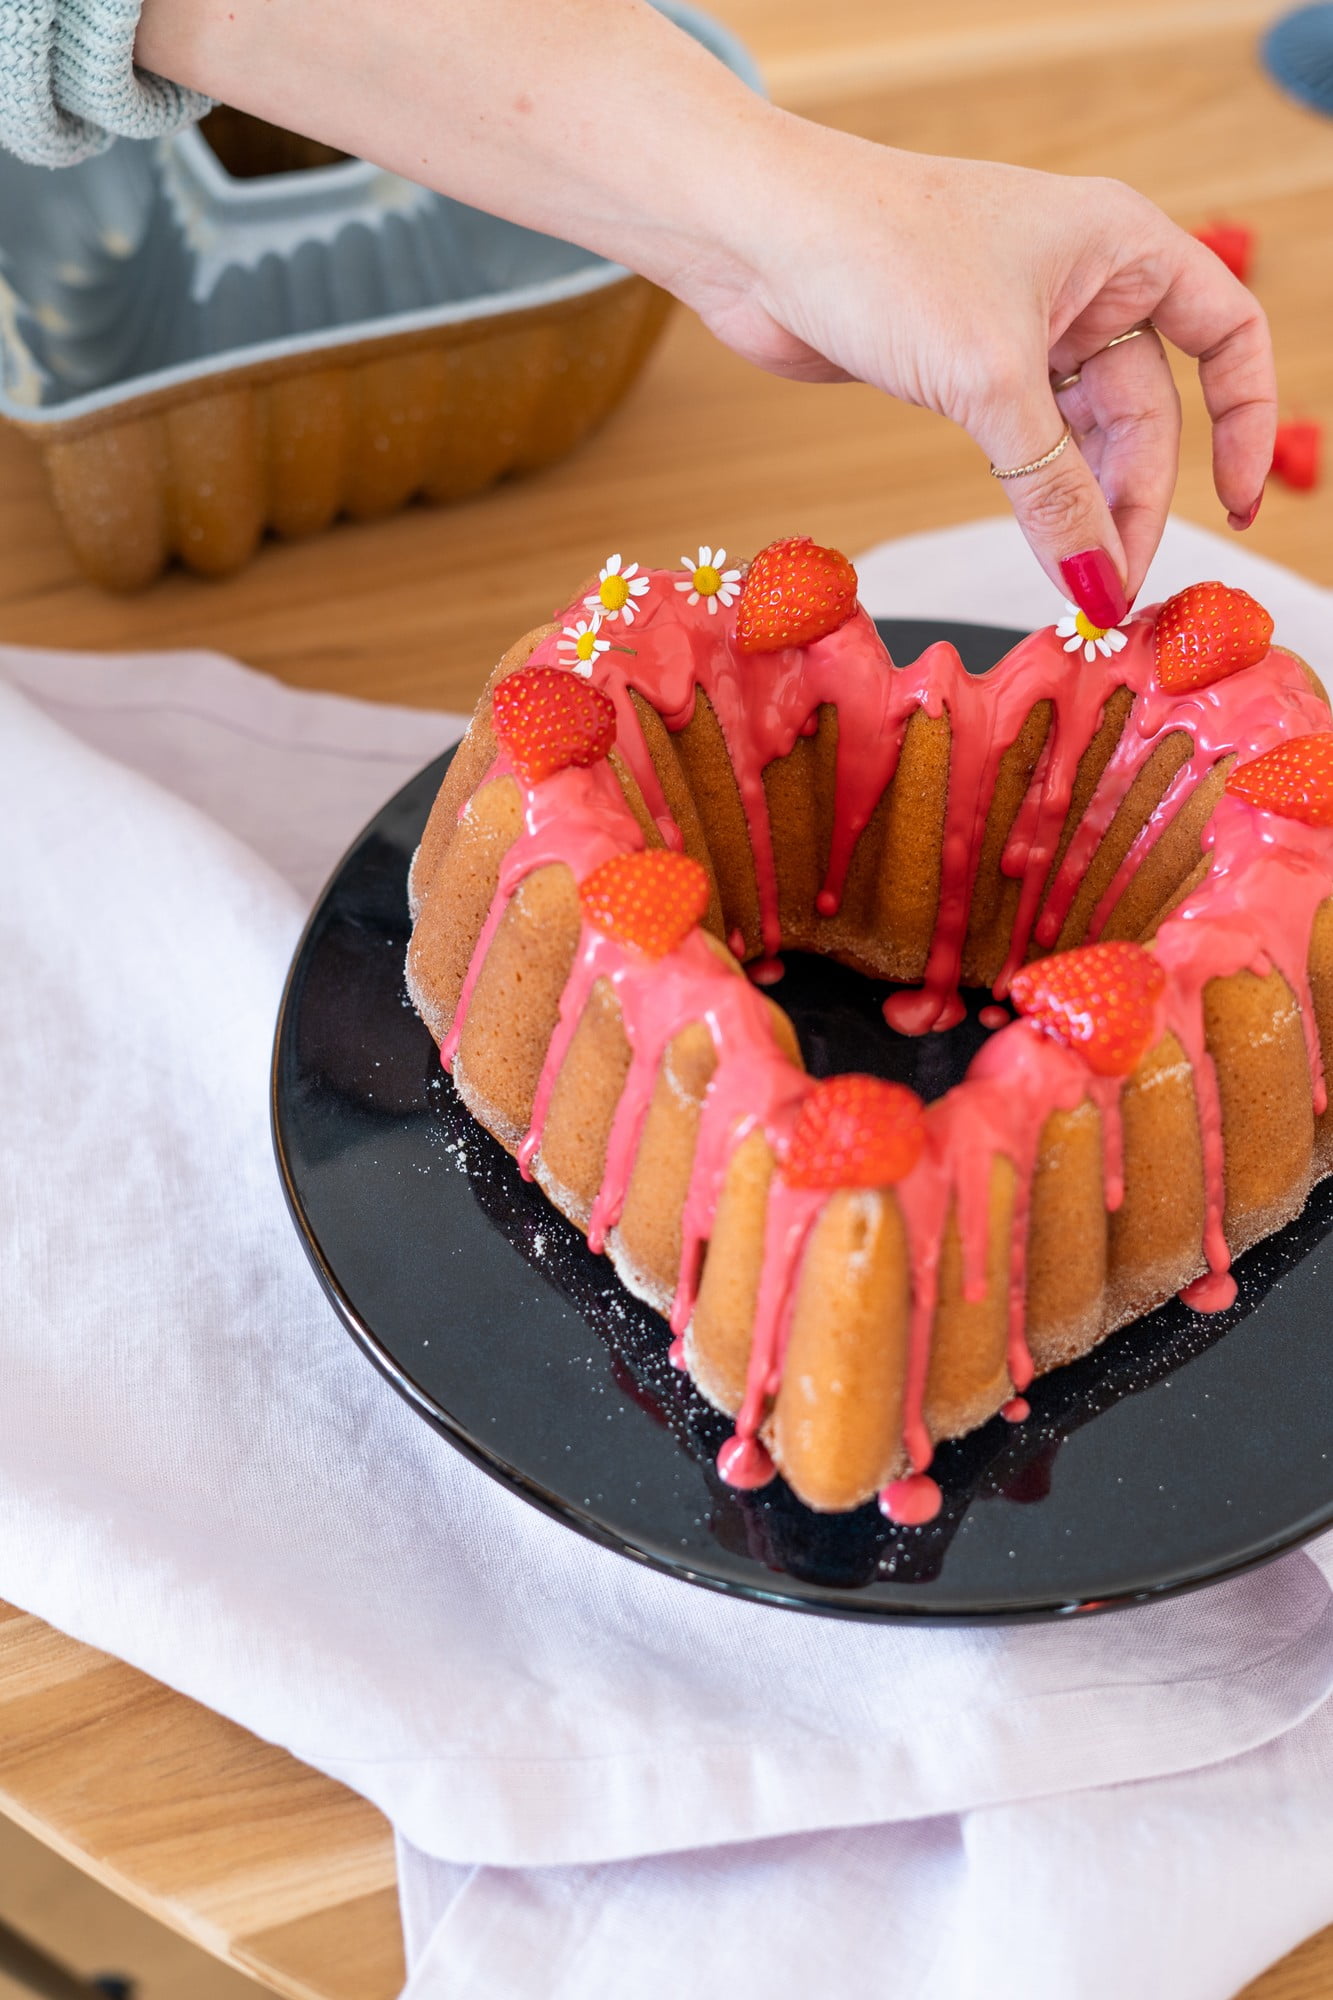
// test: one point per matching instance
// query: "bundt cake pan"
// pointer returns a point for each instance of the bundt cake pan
(203, 357)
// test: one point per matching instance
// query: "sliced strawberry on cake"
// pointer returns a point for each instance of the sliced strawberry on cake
(651, 900)
(1205, 633)
(794, 593)
(1099, 999)
(855, 1131)
(1294, 779)
(548, 718)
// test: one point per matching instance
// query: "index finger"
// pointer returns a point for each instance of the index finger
(1211, 315)
(1126, 414)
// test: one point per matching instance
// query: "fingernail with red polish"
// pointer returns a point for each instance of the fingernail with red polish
(1242, 521)
(1093, 581)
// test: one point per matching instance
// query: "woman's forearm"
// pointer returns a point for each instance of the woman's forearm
(961, 285)
(595, 120)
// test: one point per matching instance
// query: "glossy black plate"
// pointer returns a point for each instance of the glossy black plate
(1185, 1448)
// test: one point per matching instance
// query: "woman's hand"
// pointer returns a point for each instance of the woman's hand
(956, 284)
(972, 289)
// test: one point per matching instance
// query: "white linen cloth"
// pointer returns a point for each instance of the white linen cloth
(603, 1781)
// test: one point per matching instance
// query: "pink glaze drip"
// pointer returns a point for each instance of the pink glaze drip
(575, 816)
(744, 1463)
(1105, 1094)
(766, 971)
(748, 1091)
(656, 997)
(924, 1197)
(1017, 1410)
(1017, 1079)
(1126, 761)
(1163, 814)
(791, 1216)
(1255, 909)
(912, 1502)
(995, 1017)
(1212, 1293)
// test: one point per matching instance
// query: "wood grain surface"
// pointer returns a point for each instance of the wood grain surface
(252, 1855)
(265, 1863)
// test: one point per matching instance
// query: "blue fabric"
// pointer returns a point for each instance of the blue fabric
(68, 85)
(1298, 53)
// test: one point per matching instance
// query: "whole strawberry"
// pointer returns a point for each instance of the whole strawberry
(1207, 632)
(794, 592)
(550, 717)
(651, 900)
(855, 1131)
(1100, 999)
(1294, 779)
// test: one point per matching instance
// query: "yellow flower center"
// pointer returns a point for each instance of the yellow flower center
(1086, 629)
(585, 645)
(614, 593)
(707, 580)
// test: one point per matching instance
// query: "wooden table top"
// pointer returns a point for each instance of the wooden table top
(230, 1841)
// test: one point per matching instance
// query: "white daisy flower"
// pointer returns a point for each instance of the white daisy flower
(1081, 635)
(705, 577)
(582, 641)
(616, 590)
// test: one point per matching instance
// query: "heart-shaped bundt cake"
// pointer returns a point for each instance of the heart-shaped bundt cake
(1128, 834)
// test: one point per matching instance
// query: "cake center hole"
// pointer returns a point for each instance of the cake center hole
(839, 1022)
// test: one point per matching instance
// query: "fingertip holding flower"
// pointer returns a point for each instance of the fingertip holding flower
(1093, 581)
(1082, 636)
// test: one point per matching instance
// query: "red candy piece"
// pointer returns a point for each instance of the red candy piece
(1296, 454)
(794, 592)
(1294, 779)
(855, 1131)
(1207, 632)
(1232, 242)
(652, 900)
(548, 718)
(1099, 999)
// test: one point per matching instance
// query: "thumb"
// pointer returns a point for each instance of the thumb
(1059, 505)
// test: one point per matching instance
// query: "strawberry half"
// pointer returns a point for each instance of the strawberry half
(794, 592)
(855, 1131)
(1294, 779)
(651, 900)
(1207, 632)
(1099, 999)
(548, 718)
(1296, 451)
(1232, 242)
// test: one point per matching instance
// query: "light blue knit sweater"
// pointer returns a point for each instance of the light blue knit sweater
(68, 85)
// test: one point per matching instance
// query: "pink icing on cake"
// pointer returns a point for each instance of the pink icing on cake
(1253, 910)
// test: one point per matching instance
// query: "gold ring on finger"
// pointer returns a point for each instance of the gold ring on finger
(1036, 464)
(1131, 333)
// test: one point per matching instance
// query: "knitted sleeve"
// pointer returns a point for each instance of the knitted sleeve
(68, 85)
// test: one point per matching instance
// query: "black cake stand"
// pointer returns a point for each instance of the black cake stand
(1184, 1449)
